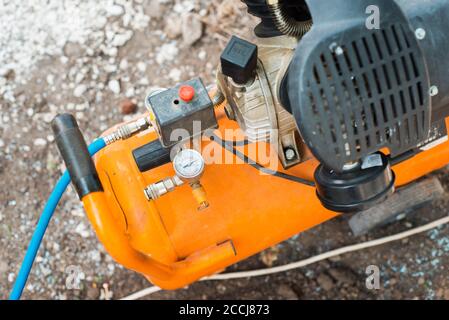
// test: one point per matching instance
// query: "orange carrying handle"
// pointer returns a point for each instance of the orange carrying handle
(117, 243)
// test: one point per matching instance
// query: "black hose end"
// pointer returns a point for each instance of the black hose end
(76, 156)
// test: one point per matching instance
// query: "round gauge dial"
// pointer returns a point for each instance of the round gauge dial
(188, 164)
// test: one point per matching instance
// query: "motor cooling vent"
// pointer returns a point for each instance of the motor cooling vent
(364, 94)
(355, 90)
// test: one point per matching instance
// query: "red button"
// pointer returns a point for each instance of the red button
(186, 93)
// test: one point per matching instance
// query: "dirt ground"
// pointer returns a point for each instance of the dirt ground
(90, 77)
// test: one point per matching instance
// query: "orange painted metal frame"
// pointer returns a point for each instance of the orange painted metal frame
(173, 244)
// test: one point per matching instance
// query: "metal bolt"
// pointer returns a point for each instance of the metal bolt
(433, 91)
(420, 33)
(339, 51)
(290, 154)
(335, 48)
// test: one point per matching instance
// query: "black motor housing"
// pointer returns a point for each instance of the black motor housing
(355, 90)
(433, 17)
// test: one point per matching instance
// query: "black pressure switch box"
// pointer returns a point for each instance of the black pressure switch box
(182, 112)
(239, 60)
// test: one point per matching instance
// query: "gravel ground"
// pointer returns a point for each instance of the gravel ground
(97, 60)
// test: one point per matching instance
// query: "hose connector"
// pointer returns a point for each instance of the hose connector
(156, 190)
(128, 130)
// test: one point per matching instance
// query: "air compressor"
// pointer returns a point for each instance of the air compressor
(323, 115)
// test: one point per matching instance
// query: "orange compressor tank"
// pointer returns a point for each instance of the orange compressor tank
(173, 243)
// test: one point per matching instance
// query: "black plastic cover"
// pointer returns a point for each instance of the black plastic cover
(239, 60)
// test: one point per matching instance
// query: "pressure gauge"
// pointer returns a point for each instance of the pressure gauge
(189, 165)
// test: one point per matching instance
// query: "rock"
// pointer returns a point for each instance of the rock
(50, 79)
(173, 29)
(120, 39)
(175, 74)
(92, 293)
(39, 142)
(167, 52)
(7, 73)
(226, 8)
(130, 92)
(79, 90)
(221, 288)
(286, 292)
(79, 77)
(3, 267)
(48, 117)
(154, 9)
(446, 294)
(141, 66)
(342, 276)
(325, 282)
(114, 86)
(11, 277)
(128, 106)
(269, 256)
(115, 11)
(123, 64)
(106, 293)
(192, 29)
(202, 55)
(82, 230)
(73, 49)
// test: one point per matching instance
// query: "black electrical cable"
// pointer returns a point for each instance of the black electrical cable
(230, 146)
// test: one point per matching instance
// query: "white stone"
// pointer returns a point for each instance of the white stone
(141, 66)
(123, 64)
(121, 39)
(79, 90)
(114, 86)
(167, 52)
(130, 92)
(115, 10)
(50, 79)
(175, 74)
(202, 55)
(82, 230)
(39, 142)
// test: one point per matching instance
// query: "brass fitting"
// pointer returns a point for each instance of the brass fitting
(200, 195)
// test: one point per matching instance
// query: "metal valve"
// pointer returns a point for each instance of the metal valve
(189, 167)
(156, 190)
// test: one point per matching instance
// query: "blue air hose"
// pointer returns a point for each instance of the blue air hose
(42, 225)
